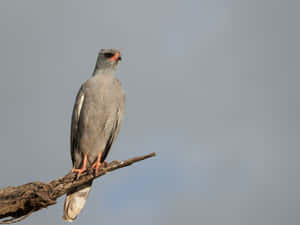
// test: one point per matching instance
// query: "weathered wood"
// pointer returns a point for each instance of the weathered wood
(19, 202)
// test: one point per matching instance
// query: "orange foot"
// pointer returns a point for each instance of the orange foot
(83, 168)
(97, 164)
(78, 171)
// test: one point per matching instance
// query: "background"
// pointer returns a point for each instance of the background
(212, 87)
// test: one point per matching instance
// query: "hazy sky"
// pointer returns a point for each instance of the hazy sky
(212, 87)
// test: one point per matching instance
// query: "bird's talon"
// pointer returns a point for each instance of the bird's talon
(105, 164)
(78, 171)
(96, 166)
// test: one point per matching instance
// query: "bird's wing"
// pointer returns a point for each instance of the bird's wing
(116, 128)
(75, 123)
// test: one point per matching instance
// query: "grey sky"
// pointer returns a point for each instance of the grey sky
(212, 87)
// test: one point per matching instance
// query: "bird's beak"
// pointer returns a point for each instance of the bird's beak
(116, 57)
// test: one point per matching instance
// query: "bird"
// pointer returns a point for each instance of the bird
(96, 119)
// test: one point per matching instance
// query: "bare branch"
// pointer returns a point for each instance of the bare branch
(19, 202)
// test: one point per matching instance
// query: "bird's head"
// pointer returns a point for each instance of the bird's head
(108, 59)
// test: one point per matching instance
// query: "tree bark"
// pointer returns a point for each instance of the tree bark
(19, 202)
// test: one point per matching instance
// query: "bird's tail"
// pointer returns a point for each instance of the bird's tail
(75, 202)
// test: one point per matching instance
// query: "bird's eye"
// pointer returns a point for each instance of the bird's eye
(108, 55)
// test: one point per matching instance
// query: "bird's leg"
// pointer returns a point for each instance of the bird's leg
(83, 168)
(97, 164)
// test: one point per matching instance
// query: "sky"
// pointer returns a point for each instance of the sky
(212, 88)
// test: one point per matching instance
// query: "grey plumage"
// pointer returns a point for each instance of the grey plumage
(96, 120)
